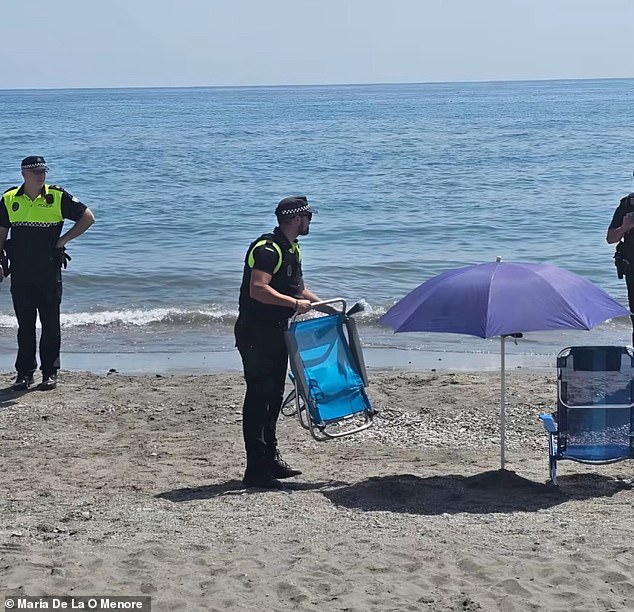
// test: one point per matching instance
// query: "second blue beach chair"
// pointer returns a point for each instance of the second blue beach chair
(594, 422)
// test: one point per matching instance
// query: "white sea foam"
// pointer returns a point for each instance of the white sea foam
(136, 317)
(177, 317)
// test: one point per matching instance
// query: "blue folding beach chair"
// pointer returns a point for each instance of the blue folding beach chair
(328, 373)
(594, 422)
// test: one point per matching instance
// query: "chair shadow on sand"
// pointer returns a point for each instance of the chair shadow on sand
(235, 487)
(486, 493)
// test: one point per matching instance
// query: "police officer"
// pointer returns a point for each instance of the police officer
(272, 290)
(620, 231)
(35, 213)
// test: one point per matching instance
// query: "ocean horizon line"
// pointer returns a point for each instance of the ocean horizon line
(316, 85)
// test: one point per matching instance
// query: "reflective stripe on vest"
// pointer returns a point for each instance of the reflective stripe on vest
(259, 243)
(24, 212)
(295, 249)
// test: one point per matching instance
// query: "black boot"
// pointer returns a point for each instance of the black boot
(49, 381)
(258, 477)
(22, 382)
(278, 468)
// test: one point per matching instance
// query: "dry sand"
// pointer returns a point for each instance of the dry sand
(130, 485)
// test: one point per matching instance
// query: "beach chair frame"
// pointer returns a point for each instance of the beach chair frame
(594, 422)
(305, 405)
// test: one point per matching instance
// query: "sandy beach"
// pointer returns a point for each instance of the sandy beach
(130, 485)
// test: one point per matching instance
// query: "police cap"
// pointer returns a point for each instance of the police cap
(33, 162)
(292, 206)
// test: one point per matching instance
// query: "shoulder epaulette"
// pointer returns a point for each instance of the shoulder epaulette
(10, 189)
(56, 187)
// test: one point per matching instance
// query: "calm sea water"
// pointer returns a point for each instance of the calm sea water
(409, 180)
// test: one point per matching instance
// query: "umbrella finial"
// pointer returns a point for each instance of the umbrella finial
(498, 259)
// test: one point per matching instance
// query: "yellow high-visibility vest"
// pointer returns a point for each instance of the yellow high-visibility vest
(44, 211)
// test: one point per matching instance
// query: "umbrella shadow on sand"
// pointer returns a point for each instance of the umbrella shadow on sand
(498, 491)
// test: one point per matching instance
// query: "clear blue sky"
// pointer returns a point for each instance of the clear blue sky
(127, 43)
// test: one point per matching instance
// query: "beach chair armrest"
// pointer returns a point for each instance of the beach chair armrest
(549, 422)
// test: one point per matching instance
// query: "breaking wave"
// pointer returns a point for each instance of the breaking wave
(162, 317)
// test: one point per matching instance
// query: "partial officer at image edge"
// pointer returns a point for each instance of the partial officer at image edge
(620, 232)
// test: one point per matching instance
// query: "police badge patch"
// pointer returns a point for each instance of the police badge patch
(15, 206)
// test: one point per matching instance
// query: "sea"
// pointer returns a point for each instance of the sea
(410, 180)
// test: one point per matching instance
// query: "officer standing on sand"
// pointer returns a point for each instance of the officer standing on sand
(620, 232)
(35, 213)
(272, 290)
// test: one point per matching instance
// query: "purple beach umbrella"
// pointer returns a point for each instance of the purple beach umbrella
(502, 299)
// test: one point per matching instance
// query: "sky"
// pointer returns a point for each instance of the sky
(182, 43)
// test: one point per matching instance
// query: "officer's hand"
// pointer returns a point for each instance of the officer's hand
(628, 222)
(303, 306)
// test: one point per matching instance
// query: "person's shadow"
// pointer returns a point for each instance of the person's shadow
(485, 493)
(235, 487)
(9, 397)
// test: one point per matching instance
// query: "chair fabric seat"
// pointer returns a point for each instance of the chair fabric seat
(607, 452)
(327, 373)
(338, 405)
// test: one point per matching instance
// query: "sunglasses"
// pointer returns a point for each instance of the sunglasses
(308, 215)
(40, 171)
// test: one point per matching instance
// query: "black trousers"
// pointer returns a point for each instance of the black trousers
(33, 297)
(264, 359)
(629, 281)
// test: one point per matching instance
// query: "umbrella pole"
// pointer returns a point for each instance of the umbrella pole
(502, 404)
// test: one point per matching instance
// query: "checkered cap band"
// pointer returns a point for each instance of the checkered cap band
(296, 211)
(35, 165)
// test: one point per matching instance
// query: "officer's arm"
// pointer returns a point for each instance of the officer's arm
(615, 234)
(307, 294)
(622, 222)
(4, 222)
(3, 236)
(81, 225)
(261, 290)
